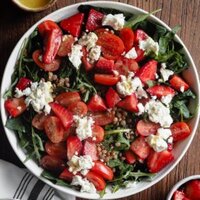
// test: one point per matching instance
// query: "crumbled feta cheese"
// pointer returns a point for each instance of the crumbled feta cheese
(75, 55)
(165, 73)
(129, 85)
(158, 113)
(149, 45)
(39, 95)
(83, 126)
(182, 89)
(131, 53)
(116, 21)
(157, 143)
(165, 134)
(166, 99)
(94, 53)
(89, 40)
(80, 164)
(140, 108)
(86, 186)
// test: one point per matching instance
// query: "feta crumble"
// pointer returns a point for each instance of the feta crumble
(76, 55)
(86, 186)
(140, 108)
(39, 95)
(89, 40)
(165, 134)
(94, 54)
(83, 126)
(116, 21)
(182, 89)
(149, 45)
(165, 73)
(80, 164)
(158, 113)
(131, 54)
(167, 99)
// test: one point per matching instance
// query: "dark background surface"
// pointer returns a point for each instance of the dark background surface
(14, 22)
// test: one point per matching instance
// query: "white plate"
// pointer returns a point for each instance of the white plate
(190, 75)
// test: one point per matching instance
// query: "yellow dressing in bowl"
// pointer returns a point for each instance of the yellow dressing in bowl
(34, 3)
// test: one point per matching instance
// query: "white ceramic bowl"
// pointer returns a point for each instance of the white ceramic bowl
(180, 183)
(190, 75)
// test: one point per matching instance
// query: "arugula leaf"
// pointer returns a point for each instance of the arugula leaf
(16, 124)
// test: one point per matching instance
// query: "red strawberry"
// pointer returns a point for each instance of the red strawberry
(192, 190)
(89, 148)
(112, 98)
(177, 83)
(66, 175)
(130, 157)
(158, 160)
(160, 91)
(129, 103)
(96, 103)
(74, 145)
(94, 20)
(88, 66)
(61, 112)
(73, 24)
(140, 35)
(15, 106)
(179, 195)
(23, 83)
(104, 65)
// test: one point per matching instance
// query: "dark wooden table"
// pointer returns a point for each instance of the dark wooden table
(13, 24)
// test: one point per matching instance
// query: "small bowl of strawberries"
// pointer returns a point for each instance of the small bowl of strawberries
(186, 189)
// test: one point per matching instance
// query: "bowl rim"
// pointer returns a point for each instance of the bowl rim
(180, 183)
(67, 189)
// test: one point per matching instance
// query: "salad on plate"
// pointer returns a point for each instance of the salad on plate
(98, 99)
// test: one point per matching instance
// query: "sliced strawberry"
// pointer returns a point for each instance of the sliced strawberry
(129, 103)
(125, 65)
(148, 71)
(66, 45)
(160, 91)
(128, 37)
(130, 157)
(140, 54)
(66, 175)
(112, 98)
(78, 108)
(106, 79)
(97, 180)
(63, 114)
(96, 103)
(97, 134)
(178, 83)
(23, 83)
(192, 190)
(103, 118)
(145, 128)
(88, 66)
(89, 148)
(158, 160)
(180, 131)
(103, 170)
(15, 106)
(104, 66)
(140, 35)
(38, 121)
(179, 195)
(94, 20)
(67, 98)
(73, 24)
(74, 146)
(140, 148)
(54, 129)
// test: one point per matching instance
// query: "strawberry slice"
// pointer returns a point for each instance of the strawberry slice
(140, 35)
(160, 91)
(112, 98)
(140, 148)
(89, 148)
(103, 118)
(15, 106)
(129, 103)
(158, 160)
(74, 146)
(104, 66)
(96, 103)
(177, 83)
(94, 20)
(179, 195)
(192, 190)
(23, 83)
(148, 71)
(63, 114)
(106, 79)
(97, 133)
(66, 175)
(140, 54)
(73, 24)
(130, 157)
(88, 66)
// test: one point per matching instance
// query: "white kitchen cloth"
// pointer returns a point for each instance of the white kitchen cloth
(19, 184)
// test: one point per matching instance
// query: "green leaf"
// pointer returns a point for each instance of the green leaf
(117, 131)
(102, 193)
(16, 124)
(139, 18)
